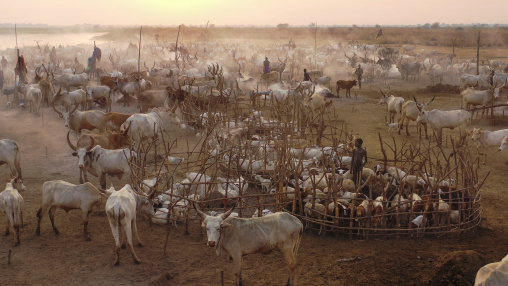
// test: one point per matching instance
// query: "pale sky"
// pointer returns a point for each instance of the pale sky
(254, 12)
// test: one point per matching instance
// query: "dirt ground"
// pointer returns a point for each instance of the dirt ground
(67, 259)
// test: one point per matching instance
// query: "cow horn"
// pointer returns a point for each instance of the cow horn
(226, 214)
(431, 100)
(56, 110)
(200, 213)
(384, 95)
(75, 107)
(91, 144)
(70, 143)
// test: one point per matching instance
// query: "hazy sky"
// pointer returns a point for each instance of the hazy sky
(254, 12)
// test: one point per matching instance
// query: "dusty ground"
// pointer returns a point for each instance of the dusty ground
(69, 260)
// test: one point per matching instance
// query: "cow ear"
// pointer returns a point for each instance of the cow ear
(74, 153)
(203, 225)
(225, 225)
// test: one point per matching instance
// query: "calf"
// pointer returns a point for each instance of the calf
(121, 208)
(68, 196)
(236, 237)
(11, 203)
(347, 85)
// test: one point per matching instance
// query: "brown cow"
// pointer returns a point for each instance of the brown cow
(347, 85)
(113, 120)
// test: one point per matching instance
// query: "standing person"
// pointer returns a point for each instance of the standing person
(306, 75)
(4, 63)
(1, 81)
(266, 65)
(358, 160)
(359, 74)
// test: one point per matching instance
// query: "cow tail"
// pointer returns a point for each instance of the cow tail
(17, 164)
(297, 244)
(16, 209)
(119, 214)
(39, 212)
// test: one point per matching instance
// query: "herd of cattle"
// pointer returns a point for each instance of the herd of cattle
(167, 95)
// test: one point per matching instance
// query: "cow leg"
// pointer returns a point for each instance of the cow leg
(115, 229)
(40, 214)
(288, 250)
(128, 236)
(16, 235)
(7, 227)
(85, 225)
(52, 218)
(237, 265)
(103, 181)
(135, 230)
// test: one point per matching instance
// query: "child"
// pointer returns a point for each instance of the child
(359, 159)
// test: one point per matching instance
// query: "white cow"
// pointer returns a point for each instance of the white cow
(493, 274)
(410, 113)
(394, 105)
(471, 97)
(439, 119)
(34, 96)
(141, 126)
(109, 162)
(11, 202)
(470, 80)
(68, 196)
(488, 138)
(68, 99)
(499, 79)
(68, 80)
(98, 92)
(9, 154)
(236, 237)
(121, 208)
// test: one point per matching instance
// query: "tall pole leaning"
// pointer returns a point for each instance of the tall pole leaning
(139, 48)
(176, 47)
(478, 56)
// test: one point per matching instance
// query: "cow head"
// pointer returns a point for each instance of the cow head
(17, 184)
(422, 113)
(504, 144)
(81, 152)
(476, 134)
(213, 225)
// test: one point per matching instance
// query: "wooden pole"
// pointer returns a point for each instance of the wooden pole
(139, 48)
(478, 56)
(9, 258)
(176, 46)
(315, 47)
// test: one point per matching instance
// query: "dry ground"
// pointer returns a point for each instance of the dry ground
(69, 260)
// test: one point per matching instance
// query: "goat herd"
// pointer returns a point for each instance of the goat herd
(246, 160)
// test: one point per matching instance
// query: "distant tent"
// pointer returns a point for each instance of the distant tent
(380, 33)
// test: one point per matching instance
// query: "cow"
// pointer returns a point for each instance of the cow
(499, 79)
(435, 73)
(493, 274)
(78, 120)
(410, 112)
(141, 126)
(114, 120)
(127, 89)
(471, 97)
(68, 99)
(469, 80)
(410, 70)
(68, 80)
(121, 209)
(236, 237)
(149, 99)
(323, 80)
(345, 84)
(439, 119)
(101, 162)
(394, 105)
(9, 154)
(67, 196)
(11, 203)
(34, 96)
(488, 138)
(108, 140)
(99, 93)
